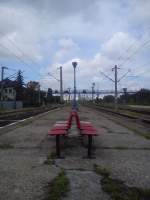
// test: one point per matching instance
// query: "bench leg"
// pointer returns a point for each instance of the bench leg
(89, 146)
(58, 145)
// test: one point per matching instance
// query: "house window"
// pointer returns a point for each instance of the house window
(6, 90)
(10, 90)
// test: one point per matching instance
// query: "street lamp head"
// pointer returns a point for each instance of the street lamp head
(74, 64)
(93, 84)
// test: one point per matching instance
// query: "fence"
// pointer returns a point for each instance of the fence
(11, 104)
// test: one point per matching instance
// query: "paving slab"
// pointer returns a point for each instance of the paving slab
(85, 185)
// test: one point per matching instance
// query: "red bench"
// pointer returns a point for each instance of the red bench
(86, 129)
(62, 127)
(57, 133)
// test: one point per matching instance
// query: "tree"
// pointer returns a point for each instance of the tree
(108, 99)
(19, 86)
(33, 85)
(50, 95)
(142, 97)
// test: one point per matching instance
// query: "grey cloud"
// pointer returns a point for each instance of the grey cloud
(32, 23)
(56, 7)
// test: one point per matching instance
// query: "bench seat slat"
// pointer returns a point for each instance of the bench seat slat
(59, 128)
(89, 132)
(87, 127)
(57, 132)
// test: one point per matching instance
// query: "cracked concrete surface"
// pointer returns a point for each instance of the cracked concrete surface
(23, 174)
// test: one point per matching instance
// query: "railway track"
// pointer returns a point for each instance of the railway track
(136, 115)
(18, 115)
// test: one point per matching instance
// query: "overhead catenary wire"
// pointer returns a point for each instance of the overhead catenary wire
(21, 60)
(123, 75)
(107, 76)
(21, 51)
(11, 76)
(24, 54)
(130, 47)
(135, 52)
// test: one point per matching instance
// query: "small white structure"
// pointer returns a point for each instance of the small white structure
(8, 90)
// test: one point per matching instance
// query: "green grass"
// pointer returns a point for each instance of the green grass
(58, 188)
(117, 189)
(50, 159)
(6, 146)
(101, 171)
(147, 135)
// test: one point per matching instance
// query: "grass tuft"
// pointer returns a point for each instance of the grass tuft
(6, 146)
(147, 135)
(101, 171)
(50, 159)
(58, 188)
(118, 190)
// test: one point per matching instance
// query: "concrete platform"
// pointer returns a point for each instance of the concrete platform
(23, 174)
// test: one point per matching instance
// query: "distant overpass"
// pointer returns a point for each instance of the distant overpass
(96, 92)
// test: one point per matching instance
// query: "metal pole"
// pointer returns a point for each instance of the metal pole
(74, 100)
(116, 91)
(61, 86)
(39, 95)
(74, 88)
(92, 92)
(2, 73)
(93, 85)
(69, 94)
(58, 146)
(89, 146)
(125, 95)
(2, 78)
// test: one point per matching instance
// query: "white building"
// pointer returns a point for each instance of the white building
(7, 90)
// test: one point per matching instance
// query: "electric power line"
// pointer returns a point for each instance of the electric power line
(135, 52)
(20, 59)
(130, 47)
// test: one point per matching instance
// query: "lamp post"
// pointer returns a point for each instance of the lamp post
(74, 99)
(61, 86)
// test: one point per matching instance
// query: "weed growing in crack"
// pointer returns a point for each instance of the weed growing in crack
(6, 146)
(101, 171)
(58, 188)
(50, 160)
(117, 189)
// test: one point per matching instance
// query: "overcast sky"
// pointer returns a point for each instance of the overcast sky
(38, 36)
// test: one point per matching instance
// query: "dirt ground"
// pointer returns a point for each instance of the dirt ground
(24, 150)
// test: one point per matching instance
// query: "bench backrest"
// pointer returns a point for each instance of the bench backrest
(70, 119)
(74, 114)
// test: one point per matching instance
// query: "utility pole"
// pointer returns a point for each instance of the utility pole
(93, 85)
(61, 85)
(2, 72)
(116, 81)
(116, 86)
(39, 95)
(2, 78)
(69, 93)
(125, 95)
